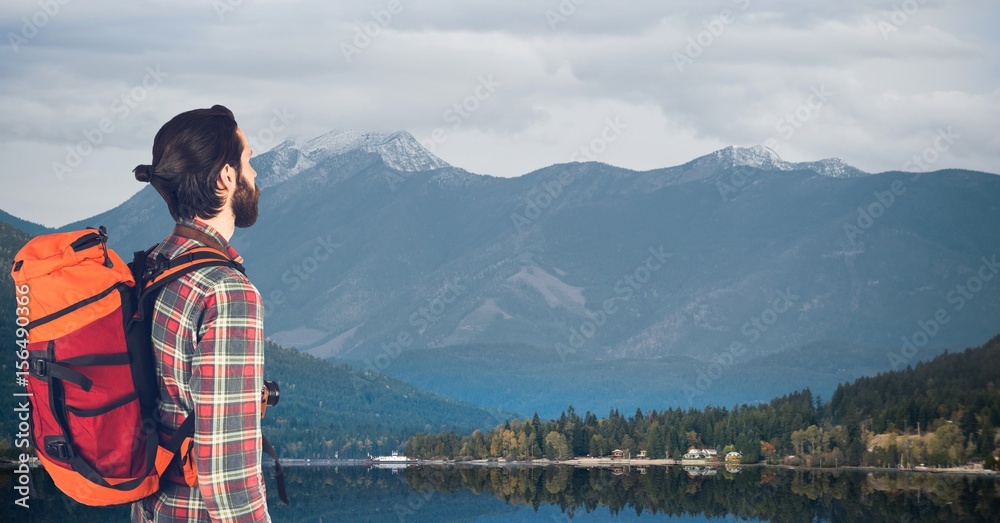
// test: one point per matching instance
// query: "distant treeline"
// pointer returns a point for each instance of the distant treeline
(939, 413)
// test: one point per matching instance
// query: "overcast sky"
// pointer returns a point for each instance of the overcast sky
(534, 80)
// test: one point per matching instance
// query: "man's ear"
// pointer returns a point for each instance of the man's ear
(227, 179)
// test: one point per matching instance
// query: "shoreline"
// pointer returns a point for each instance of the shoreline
(610, 463)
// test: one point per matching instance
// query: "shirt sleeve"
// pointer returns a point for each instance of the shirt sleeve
(226, 378)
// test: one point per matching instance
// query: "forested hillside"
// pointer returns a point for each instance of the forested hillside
(957, 396)
(939, 413)
(327, 408)
(11, 241)
(31, 228)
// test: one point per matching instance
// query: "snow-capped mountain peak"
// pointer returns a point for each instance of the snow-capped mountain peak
(756, 156)
(761, 157)
(398, 150)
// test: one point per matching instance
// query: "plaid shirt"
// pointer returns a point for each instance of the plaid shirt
(208, 340)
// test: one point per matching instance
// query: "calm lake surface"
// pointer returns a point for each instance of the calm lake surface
(559, 493)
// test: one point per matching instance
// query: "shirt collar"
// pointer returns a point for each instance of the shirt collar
(216, 235)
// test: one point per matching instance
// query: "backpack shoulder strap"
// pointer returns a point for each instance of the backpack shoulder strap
(161, 271)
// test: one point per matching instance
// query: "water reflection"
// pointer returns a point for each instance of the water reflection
(446, 494)
(777, 495)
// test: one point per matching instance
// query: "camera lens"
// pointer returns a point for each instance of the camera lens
(273, 392)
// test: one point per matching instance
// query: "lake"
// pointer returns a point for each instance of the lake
(561, 494)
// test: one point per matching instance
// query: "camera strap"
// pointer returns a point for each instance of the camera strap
(278, 473)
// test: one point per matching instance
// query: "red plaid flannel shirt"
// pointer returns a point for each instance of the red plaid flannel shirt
(208, 340)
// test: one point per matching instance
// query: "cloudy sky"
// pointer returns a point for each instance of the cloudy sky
(512, 86)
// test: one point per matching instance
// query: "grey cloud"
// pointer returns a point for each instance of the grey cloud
(938, 69)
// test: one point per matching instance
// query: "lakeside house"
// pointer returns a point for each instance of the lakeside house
(694, 453)
(618, 453)
(734, 457)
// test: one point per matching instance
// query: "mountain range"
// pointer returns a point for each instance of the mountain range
(735, 277)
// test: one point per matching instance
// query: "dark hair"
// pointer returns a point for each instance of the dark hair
(188, 153)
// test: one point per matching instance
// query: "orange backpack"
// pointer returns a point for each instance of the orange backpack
(91, 369)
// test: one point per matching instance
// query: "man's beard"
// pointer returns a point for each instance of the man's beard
(245, 203)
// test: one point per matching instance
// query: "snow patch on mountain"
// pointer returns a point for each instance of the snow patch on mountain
(764, 158)
(398, 150)
(475, 323)
(554, 291)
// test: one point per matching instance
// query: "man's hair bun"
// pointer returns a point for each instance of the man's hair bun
(143, 173)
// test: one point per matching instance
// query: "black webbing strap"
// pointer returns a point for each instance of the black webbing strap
(278, 473)
(41, 368)
(197, 261)
(185, 430)
(120, 358)
(175, 470)
(198, 256)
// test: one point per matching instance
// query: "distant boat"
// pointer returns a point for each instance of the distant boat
(395, 457)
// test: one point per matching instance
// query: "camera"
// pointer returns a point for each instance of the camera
(269, 395)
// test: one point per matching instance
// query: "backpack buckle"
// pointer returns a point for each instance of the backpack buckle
(39, 367)
(57, 447)
(103, 232)
(59, 450)
(157, 266)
